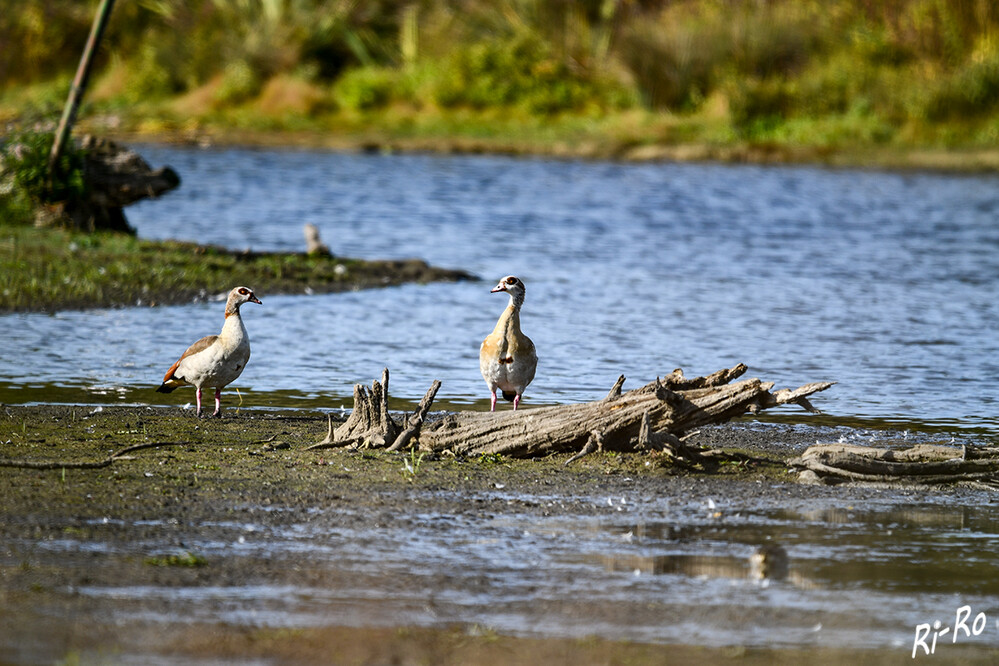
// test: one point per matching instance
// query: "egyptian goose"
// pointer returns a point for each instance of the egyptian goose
(507, 358)
(215, 360)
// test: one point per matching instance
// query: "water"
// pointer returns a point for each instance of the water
(626, 567)
(883, 282)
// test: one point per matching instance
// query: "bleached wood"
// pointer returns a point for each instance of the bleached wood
(921, 464)
(653, 416)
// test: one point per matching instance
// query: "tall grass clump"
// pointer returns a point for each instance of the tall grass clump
(972, 91)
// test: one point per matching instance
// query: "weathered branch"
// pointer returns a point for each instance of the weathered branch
(415, 422)
(73, 464)
(654, 416)
(594, 443)
(924, 464)
(615, 391)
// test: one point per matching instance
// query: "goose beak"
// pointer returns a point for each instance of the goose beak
(254, 299)
(500, 287)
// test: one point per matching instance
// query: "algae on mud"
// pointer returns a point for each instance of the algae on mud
(52, 269)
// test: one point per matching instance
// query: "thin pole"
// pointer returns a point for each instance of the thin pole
(79, 84)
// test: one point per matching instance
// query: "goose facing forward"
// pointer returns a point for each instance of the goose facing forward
(215, 360)
(507, 358)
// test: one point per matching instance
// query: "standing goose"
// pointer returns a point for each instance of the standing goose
(215, 360)
(507, 358)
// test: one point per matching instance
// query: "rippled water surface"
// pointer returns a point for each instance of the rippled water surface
(887, 283)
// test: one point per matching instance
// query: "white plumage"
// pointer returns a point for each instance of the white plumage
(215, 361)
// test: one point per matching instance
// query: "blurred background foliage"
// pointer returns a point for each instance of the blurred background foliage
(811, 72)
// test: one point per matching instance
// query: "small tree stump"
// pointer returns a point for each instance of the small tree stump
(371, 426)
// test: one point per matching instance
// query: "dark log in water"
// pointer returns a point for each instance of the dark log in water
(653, 417)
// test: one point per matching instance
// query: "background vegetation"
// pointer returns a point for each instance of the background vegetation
(827, 74)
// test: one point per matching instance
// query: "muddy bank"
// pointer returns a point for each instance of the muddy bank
(230, 541)
(51, 270)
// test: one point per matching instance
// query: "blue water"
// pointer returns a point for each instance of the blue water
(887, 283)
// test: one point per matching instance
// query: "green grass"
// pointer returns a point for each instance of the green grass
(52, 269)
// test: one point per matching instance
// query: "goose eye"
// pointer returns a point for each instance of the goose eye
(511, 281)
(244, 291)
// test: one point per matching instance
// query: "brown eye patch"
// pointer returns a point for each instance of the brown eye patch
(244, 291)
(511, 281)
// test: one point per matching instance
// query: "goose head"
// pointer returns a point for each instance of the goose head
(510, 284)
(237, 297)
(514, 286)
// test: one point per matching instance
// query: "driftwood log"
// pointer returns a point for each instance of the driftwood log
(924, 464)
(656, 416)
(115, 177)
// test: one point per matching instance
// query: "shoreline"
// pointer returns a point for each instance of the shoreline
(968, 161)
(111, 270)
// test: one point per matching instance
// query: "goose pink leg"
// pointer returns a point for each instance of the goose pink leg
(218, 403)
(492, 402)
(516, 401)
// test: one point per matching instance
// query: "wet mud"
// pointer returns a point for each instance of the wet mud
(229, 541)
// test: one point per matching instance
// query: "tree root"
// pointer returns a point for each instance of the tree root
(62, 464)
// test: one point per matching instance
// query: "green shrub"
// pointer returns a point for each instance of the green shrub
(24, 177)
(758, 105)
(856, 127)
(774, 39)
(875, 45)
(39, 40)
(681, 54)
(16, 207)
(521, 72)
(150, 75)
(367, 88)
(26, 156)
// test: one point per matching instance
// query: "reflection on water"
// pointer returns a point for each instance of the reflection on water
(883, 282)
(768, 562)
(902, 548)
